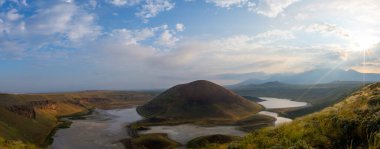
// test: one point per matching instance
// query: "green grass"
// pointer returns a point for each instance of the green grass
(319, 95)
(352, 123)
(211, 139)
(12, 144)
(255, 122)
(150, 141)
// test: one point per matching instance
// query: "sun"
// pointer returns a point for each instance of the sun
(364, 42)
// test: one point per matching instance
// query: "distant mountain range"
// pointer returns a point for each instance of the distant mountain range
(316, 76)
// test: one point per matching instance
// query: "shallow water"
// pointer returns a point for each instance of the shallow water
(101, 130)
(104, 128)
(186, 132)
(272, 103)
(279, 120)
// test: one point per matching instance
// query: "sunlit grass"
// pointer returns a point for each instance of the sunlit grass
(353, 123)
(11, 144)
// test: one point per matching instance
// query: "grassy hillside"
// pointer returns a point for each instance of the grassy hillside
(150, 141)
(319, 95)
(203, 141)
(11, 144)
(31, 118)
(352, 123)
(199, 100)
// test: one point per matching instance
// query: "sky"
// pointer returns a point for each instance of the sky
(68, 45)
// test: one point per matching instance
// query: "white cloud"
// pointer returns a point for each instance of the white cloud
(83, 29)
(65, 19)
(52, 20)
(328, 29)
(180, 27)
(352, 39)
(159, 50)
(229, 3)
(2, 2)
(301, 16)
(124, 2)
(237, 54)
(269, 8)
(144, 34)
(23, 2)
(129, 37)
(245, 55)
(13, 15)
(68, 1)
(92, 4)
(365, 11)
(238, 42)
(161, 35)
(272, 8)
(118, 2)
(167, 39)
(18, 2)
(59, 24)
(151, 8)
(11, 50)
(274, 35)
(354, 21)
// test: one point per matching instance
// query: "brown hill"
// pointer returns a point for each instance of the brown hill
(199, 100)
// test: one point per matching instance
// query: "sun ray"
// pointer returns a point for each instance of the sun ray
(364, 65)
(320, 79)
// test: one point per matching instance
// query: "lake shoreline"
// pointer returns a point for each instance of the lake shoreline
(50, 138)
(276, 111)
(164, 127)
(101, 129)
(109, 128)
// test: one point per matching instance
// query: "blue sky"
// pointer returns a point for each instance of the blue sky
(67, 45)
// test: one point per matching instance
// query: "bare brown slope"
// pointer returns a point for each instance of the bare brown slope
(199, 100)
